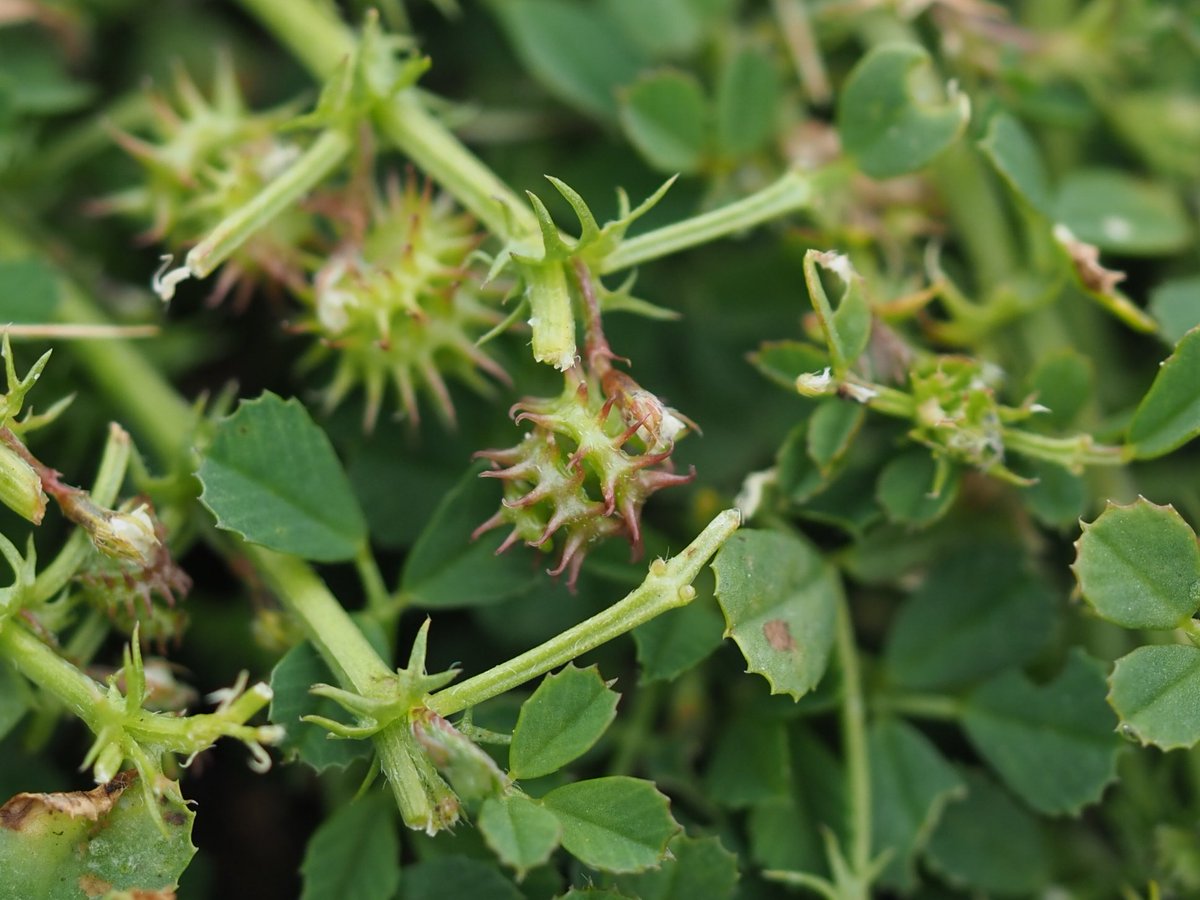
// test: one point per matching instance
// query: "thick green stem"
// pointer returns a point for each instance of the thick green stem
(974, 203)
(854, 745)
(232, 232)
(321, 42)
(45, 668)
(789, 193)
(667, 586)
(339, 641)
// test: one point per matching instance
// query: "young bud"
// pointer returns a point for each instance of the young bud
(20, 487)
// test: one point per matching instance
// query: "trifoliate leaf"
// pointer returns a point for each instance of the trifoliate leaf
(355, 854)
(906, 484)
(575, 50)
(747, 103)
(618, 824)
(566, 715)
(1156, 693)
(697, 869)
(911, 783)
(63, 846)
(1010, 149)
(1053, 744)
(945, 635)
(272, 477)
(1139, 566)
(780, 603)
(1175, 305)
(1169, 414)
(666, 117)
(890, 116)
(520, 831)
(989, 843)
(446, 569)
(1117, 212)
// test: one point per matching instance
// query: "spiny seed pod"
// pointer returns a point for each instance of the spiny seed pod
(395, 303)
(206, 159)
(586, 469)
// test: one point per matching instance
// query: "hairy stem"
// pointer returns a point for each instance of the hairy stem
(321, 42)
(789, 193)
(667, 586)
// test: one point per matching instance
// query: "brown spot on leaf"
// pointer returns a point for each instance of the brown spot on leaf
(93, 886)
(24, 810)
(779, 635)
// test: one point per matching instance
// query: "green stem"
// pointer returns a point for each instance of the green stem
(300, 177)
(339, 641)
(379, 601)
(104, 492)
(321, 42)
(640, 722)
(45, 668)
(802, 44)
(854, 740)
(667, 586)
(975, 207)
(789, 193)
(1069, 452)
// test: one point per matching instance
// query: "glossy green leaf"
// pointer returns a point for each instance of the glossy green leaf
(561, 721)
(666, 117)
(86, 843)
(905, 485)
(520, 832)
(28, 292)
(946, 634)
(1014, 155)
(911, 783)
(272, 477)
(355, 853)
(747, 103)
(780, 601)
(1120, 213)
(1053, 744)
(831, 431)
(618, 824)
(749, 762)
(697, 869)
(1175, 305)
(890, 115)
(1156, 694)
(456, 877)
(989, 843)
(447, 570)
(576, 51)
(679, 640)
(1169, 414)
(1139, 566)
(848, 328)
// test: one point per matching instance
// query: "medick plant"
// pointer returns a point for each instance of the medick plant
(908, 308)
